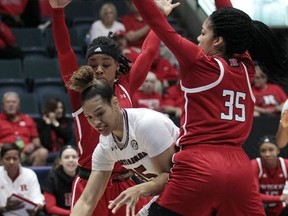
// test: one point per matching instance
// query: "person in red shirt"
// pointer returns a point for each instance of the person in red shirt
(20, 13)
(217, 110)
(270, 172)
(147, 96)
(130, 52)
(269, 97)
(165, 71)
(21, 129)
(172, 100)
(11, 11)
(136, 28)
(104, 57)
(8, 47)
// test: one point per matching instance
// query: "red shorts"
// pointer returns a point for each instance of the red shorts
(111, 192)
(208, 180)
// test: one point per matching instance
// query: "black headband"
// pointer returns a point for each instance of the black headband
(100, 49)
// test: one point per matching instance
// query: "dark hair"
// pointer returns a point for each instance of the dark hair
(8, 147)
(110, 48)
(64, 148)
(51, 105)
(234, 26)
(241, 33)
(83, 81)
(56, 163)
(267, 139)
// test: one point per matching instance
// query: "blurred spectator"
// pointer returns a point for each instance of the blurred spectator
(164, 70)
(54, 128)
(149, 94)
(172, 100)
(58, 186)
(107, 22)
(269, 97)
(18, 180)
(270, 173)
(20, 13)
(129, 52)
(136, 28)
(21, 129)
(8, 48)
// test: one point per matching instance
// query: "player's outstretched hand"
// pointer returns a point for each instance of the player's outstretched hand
(166, 6)
(129, 197)
(284, 119)
(59, 3)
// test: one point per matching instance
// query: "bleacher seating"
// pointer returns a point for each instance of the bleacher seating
(31, 41)
(11, 69)
(42, 99)
(12, 76)
(41, 172)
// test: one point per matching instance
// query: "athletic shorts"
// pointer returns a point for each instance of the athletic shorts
(113, 189)
(211, 180)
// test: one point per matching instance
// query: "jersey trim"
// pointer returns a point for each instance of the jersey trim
(75, 115)
(282, 163)
(195, 90)
(260, 167)
(126, 92)
(209, 86)
(283, 166)
(248, 82)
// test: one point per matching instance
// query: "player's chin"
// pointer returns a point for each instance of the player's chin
(105, 132)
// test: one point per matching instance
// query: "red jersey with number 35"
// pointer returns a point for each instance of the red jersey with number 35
(218, 102)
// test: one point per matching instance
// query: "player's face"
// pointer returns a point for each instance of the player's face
(11, 104)
(269, 153)
(206, 39)
(69, 160)
(104, 67)
(101, 115)
(260, 80)
(11, 161)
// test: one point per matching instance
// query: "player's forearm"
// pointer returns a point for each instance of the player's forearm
(133, 36)
(84, 206)
(282, 135)
(155, 186)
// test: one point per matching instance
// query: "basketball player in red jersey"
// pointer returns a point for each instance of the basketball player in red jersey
(216, 77)
(270, 172)
(104, 57)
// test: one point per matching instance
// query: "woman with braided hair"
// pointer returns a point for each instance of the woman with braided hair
(108, 64)
(211, 174)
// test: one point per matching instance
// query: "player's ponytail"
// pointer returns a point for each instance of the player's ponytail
(271, 57)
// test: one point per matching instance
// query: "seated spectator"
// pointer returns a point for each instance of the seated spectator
(136, 28)
(18, 180)
(172, 100)
(58, 186)
(149, 94)
(164, 70)
(20, 13)
(8, 48)
(269, 97)
(270, 173)
(107, 22)
(130, 52)
(21, 129)
(54, 128)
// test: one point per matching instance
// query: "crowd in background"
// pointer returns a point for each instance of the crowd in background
(49, 140)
